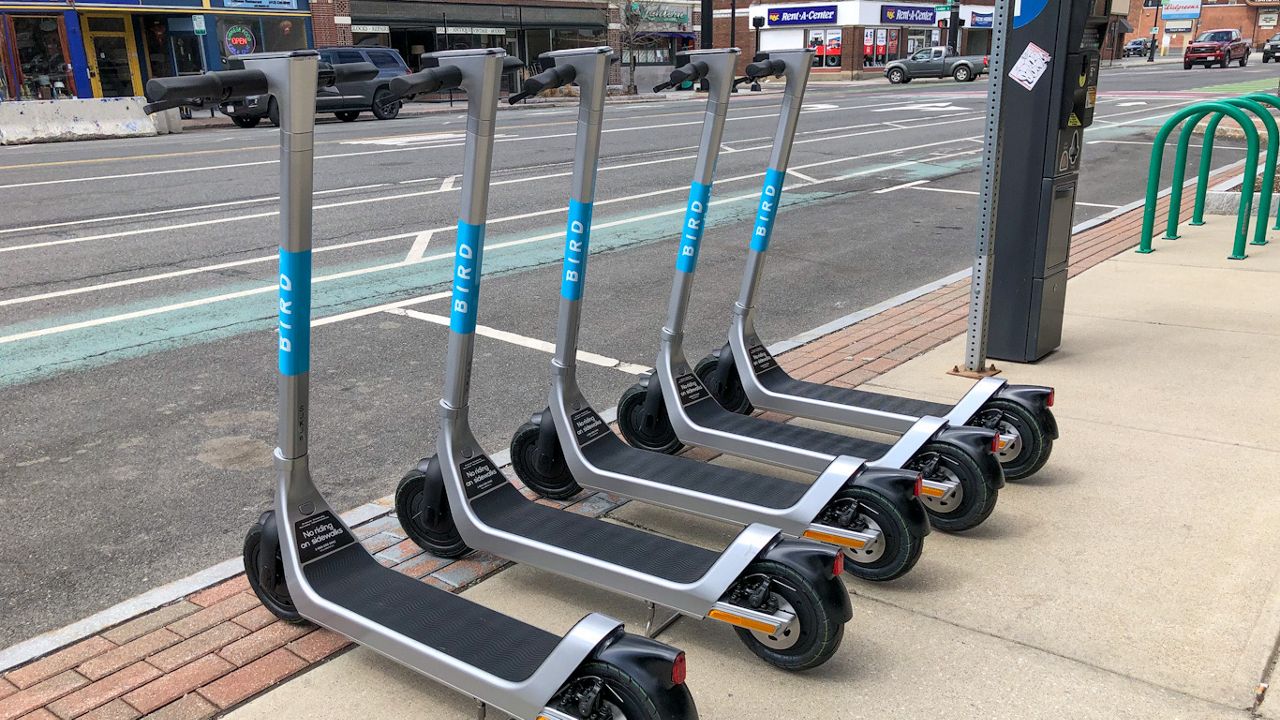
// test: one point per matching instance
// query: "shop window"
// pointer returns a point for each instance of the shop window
(536, 42)
(106, 24)
(569, 39)
(238, 35)
(284, 34)
(656, 49)
(826, 46)
(4, 65)
(43, 66)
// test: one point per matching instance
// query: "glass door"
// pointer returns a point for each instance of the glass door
(113, 58)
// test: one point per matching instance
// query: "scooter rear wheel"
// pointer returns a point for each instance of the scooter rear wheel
(974, 501)
(729, 393)
(273, 593)
(1031, 447)
(432, 528)
(603, 691)
(816, 633)
(643, 430)
(898, 549)
(549, 477)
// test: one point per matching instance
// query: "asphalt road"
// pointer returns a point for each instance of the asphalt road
(137, 298)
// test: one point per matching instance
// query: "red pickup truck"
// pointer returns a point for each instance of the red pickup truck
(1216, 47)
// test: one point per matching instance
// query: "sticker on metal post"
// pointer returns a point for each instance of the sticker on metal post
(767, 210)
(588, 426)
(1030, 66)
(480, 475)
(320, 535)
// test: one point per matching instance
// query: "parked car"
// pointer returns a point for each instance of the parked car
(1271, 48)
(1216, 47)
(936, 62)
(345, 100)
(1137, 47)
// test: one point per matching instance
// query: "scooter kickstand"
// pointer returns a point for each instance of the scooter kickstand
(481, 709)
(652, 631)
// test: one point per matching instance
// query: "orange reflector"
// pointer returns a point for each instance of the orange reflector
(932, 491)
(834, 539)
(742, 622)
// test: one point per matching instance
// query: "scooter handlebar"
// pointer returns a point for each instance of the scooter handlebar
(690, 72)
(354, 72)
(444, 77)
(762, 69)
(552, 77)
(166, 93)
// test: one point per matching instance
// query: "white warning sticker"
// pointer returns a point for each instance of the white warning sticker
(1027, 71)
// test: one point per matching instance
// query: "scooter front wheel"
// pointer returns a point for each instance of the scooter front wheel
(728, 393)
(272, 591)
(604, 691)
(641, 428)
(807, 642)
(973, 499)
(423, 511)
(894, 552)
(1031, 445)
(547, 476)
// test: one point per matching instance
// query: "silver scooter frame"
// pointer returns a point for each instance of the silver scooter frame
(674, 373)
(569, 407)
(457, 445)
(291, 78)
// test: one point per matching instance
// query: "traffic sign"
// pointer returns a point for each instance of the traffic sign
(197, 23)
(942, 8)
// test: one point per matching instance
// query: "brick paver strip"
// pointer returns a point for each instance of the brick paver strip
(103, 691)
(219, 646)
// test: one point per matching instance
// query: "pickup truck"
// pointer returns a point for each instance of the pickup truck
(1217, 47)
(936, 62)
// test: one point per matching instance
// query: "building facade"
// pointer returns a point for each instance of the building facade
(1256, 20)
(51, 49)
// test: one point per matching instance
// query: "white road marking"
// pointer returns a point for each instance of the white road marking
(419, 248)
(955, 191)
(1132, 103)
(375, 309)
(418, 180)
(403, 140)
(528, 342)
(448, 182)
(725, 149)
(903, 186)
(802, 176)
(1097, 205)
(927, 106)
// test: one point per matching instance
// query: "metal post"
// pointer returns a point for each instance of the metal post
(733, 31)
(975, 358)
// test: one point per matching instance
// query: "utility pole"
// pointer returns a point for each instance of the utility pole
(733, 32)
(757, 22)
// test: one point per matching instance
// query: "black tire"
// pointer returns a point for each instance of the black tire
(440, 538)
(558, 483)
(1225, 61)
(626, 694)
(962, 73)
(275, 598)
(384, 107)
(1186, 66)
(655, 434)
(1034, 445)
(273, 112)
(902, 548)
(1244, 59)
(347, 115)
(246, 121)
(896, 76)
(729, 394)
(819, 631)
(977, 496)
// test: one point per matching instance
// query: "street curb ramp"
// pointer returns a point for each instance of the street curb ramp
(38, 121)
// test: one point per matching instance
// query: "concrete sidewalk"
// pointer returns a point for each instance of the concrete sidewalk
(1135, 576)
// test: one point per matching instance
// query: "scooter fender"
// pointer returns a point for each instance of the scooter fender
(649, 663)
(816, 563)
(1036, 399)
(899, 488)
(977, 440)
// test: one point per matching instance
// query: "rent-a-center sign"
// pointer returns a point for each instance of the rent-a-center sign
(907, 15)
(802, 15)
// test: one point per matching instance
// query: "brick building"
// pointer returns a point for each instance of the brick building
(1256, 20)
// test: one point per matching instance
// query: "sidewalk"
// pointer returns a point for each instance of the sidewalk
(1134, 577)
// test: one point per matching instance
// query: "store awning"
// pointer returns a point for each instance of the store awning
(1123, 26)
(670, 34)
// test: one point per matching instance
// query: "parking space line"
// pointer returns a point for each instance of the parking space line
(1097, 205)
(903, 186)
(419, 247)
(955, 191)
(528, 342)
(802, 176)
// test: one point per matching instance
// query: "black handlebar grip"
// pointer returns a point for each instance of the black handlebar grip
(511, 63)
(161, 90)
(765, 68)
(552, 77)
(445, 77)
(354, 72)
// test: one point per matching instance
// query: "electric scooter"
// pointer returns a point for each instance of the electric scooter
(962, 478)
(784, 597)
(303, 561)
(873, 515)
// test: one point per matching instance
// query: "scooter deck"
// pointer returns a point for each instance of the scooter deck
(777, 380)
(709, 413)
(506, 509)
(483, 638)
(609, 453)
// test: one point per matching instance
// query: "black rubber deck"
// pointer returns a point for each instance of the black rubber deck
(708, 413)
(777, 380)
(506, 509)
(608, 452)
(472, 633)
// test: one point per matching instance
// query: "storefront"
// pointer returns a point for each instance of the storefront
(523, 30)
(110, 49)
(652, 34)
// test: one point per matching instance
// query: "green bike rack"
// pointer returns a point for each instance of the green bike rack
(1179, 169)
(1274, 102)
(1198, 111)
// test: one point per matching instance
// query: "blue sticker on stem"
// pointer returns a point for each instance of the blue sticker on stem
(295, 312)
(768, 209)
(577, 236)
(695, 216)
(466, 278)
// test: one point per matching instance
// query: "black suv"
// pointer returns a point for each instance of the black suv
(1271, 48)
(344, 100)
